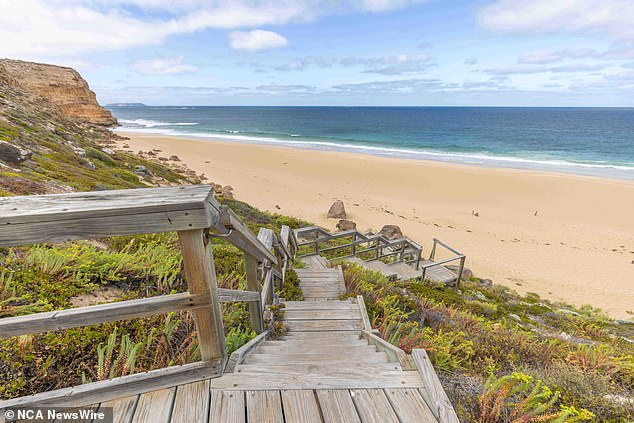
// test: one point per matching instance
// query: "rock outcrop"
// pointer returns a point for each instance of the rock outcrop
(337, 210)
(391, 232)
(346, 225)
(13, 154)
(61, 86)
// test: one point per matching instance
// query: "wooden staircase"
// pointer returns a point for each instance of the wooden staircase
(402, 271)
(330, 352)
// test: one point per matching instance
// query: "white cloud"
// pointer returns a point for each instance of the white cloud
(256, 40)
(384, 5)
(395, 64)
(614, 17)
(539, 57)
(162, 67)
(67, 27)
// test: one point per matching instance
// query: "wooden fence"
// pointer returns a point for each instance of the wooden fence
(373, 247)
(194, 214)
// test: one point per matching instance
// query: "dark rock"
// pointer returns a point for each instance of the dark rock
(467, 274)
(227, 192)
(175, 158)
(142, 171)
(391, 232)
(486, 282)
(13, 154)
(346, 225)
(337, 210)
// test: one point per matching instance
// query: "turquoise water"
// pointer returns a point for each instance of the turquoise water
(586, 141)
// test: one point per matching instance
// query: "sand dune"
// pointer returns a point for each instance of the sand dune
(567, 238)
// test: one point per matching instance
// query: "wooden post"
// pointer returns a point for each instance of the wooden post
(253, 284)
(460, 271)
(432, 255)
(201, 279)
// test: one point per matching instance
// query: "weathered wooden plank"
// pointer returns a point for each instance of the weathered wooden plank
(316, 358)
(337, 406)
(409, 406)
(79, 205)
(433, 393)
(201, 279)
(316, 348)
(253, 284)
(239, 355)
(191, 403)
(340, 378)
(100, 227)
(155, 407)
(122, 408)
(227, 407)
(90, 315)
(265, 236)
(342, 280)
(395, 353)
(238, 234)
(300, 406)
(236, 295)
(323, 305)
(322, 325)
(264, 407)
(364, 314)
(373, 406)
(322, 314)
(93, 393)
(267, 289)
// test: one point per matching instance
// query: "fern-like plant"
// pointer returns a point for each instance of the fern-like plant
(517, 398)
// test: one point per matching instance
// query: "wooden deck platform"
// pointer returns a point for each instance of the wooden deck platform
(329, 367)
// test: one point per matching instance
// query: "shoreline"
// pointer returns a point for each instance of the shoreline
(578, 248)
(481, 161)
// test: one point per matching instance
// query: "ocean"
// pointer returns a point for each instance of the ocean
(584, 141)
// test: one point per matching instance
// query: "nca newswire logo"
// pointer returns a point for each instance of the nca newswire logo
(49, 414)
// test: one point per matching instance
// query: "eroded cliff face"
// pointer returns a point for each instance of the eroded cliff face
(62, 86)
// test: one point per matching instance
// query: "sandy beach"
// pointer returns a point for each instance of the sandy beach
(565, 237)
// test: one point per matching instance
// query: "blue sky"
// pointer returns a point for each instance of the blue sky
(334, 52)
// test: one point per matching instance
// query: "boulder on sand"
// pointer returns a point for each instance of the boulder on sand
(337, 210)
(391, 232)
(346, 225)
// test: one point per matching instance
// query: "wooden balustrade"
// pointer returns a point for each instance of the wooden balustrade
(403, 249)
(194, 214)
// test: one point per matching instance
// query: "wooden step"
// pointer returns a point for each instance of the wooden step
(342, 349)
(325, 305)
(261, 378)
(322, 325)
(315, 358)
(321, 314)
(378, 265)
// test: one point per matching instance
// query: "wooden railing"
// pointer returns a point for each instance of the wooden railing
(360, 245)
(458, 256)
(375, 246)
(194, 214)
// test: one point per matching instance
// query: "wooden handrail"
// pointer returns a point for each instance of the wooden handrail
(90, 315)
(238, 234)
(191, 211)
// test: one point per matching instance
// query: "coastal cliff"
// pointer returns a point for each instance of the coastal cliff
(64, 87)
(53, 137)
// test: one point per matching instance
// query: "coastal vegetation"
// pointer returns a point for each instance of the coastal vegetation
(500, 354)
